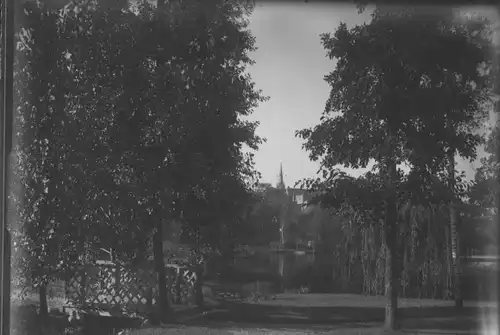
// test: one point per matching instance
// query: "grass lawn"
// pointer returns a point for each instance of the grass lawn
(330, 314)
(348, 313)
(25, 321)
(283, 331)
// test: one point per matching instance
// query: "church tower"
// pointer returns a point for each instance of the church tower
(281, 183)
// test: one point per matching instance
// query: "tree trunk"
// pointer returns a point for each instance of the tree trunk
(380, 269)
(455, 253)
(44, 308)
(390, 230)
(199, 286)
(449, 262)
(163, 296)
(405, 272)
(391, 275)
(455, 247)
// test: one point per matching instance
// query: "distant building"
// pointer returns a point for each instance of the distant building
(293, 201)
(300, 197)
(284, 195)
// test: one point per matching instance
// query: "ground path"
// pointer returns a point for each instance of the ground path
(333, 314)
(296, 314)
(290, 331)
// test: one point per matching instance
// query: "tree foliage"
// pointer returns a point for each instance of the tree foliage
(407, 88)
(121, 124)
(485, 192)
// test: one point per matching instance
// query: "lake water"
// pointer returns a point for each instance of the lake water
(276, 272)
(286, 271)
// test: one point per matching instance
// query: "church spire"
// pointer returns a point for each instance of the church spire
(281, 182)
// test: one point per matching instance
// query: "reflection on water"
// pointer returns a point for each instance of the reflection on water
(278, 272)
(286, 269)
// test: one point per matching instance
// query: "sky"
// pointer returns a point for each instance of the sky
(290, 66)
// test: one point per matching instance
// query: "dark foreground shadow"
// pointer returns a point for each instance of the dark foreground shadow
(421, 318)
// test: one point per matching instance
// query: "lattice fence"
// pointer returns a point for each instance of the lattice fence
(109, 286)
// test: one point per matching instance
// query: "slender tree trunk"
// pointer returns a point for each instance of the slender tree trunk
(455, 247)
(391, 275)
(449, 262)
(200, 301)
(44, 308)
(198, 284)
(163, 294)
(381, 263)
(455, 253)
(390, 230)
(406, 274)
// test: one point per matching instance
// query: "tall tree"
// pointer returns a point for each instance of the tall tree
(387, 103)
(42, 148)
(131, 116)
(463, 87)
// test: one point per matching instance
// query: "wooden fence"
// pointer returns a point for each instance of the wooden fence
(113, 286)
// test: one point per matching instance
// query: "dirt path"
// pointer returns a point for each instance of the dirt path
(340, 312)
(288, 331)
(334, 314)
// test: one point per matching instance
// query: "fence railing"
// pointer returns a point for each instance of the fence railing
(113, 286)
